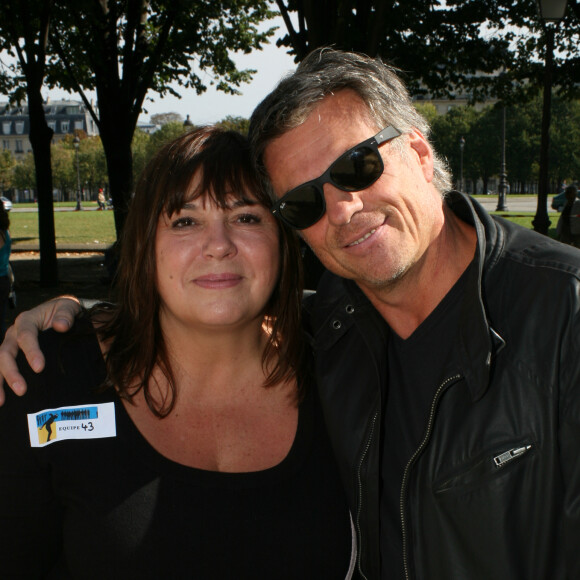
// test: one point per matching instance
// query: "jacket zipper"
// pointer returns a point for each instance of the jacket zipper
(442, 388)
(360, 491)
(503, 458)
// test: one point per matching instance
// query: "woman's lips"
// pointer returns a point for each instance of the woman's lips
(218, 281)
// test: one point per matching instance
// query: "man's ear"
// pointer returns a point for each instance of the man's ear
(420, 146)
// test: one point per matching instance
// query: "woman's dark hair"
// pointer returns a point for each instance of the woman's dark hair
(131, 326)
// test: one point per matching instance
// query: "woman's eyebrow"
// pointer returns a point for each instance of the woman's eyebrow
(243, 202)
(237, 203)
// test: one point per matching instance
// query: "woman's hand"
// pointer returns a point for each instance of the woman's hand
(58, 314)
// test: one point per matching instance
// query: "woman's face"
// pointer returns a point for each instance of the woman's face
(216, 268)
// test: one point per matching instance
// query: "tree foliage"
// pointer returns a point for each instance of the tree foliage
(7, 163)
(482, 154)
(443, 47)
(164, 118)
(143, 46)
(239, 124)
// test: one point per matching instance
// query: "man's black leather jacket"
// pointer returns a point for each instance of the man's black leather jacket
(493, 491)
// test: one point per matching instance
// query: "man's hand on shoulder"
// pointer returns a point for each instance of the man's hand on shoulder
(58, 314)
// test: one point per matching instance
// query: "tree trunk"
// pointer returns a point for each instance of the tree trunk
(116, 138)
(40, 138)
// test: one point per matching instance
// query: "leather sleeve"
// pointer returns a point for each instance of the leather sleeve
(569, 441)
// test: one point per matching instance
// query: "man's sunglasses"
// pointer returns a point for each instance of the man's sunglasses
(354, 170)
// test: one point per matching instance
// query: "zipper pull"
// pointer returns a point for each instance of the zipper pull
(503, 458)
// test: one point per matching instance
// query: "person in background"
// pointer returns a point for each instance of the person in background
(564, 226)
(101, 200)
(175, 434)
(5, 268)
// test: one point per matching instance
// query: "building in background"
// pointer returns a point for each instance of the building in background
(64, 117)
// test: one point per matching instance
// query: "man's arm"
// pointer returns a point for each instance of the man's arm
(30, 513)
(58, 314)
(569, 444)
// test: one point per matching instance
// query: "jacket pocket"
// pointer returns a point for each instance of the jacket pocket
(495, 463)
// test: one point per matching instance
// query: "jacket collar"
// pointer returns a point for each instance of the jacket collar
(329, 311)
(478, 342)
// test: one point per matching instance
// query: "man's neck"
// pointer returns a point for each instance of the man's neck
(407, 302)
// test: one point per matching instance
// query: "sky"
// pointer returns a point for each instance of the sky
(271, 63)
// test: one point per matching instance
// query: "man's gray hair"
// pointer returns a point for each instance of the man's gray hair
(326, 71)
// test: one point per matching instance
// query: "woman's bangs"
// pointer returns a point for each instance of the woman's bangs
(230, 184)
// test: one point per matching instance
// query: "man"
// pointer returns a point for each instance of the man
(446, 341)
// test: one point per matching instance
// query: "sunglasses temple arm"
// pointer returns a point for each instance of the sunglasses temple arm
(387, 134)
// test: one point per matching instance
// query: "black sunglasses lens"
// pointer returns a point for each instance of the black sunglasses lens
(303, 207)
(357, 169)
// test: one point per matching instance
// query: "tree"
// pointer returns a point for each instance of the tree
(166, 133)
(485, 141)
(92, 163)
(566, 140)
(522, 143)
(238, 124)
(24, 173)
(7, 163)
(139, 152)
(482, 131)
(444, 47)
(164, 118)
(24, 26)
(437, 43)
(63, 169)
(142, 45)
(448, 129)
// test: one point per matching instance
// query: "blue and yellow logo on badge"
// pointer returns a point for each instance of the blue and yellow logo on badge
(49, 423)
(86, 422)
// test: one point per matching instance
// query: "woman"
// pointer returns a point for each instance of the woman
(184, 444)
(5, 273)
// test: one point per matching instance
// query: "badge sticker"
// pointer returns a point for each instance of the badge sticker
(85, 422)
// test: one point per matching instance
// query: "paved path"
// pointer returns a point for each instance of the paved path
(515, 203)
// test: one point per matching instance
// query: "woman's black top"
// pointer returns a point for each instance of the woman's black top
(112, 507)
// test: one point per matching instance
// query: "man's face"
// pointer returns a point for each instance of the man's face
(373, 236)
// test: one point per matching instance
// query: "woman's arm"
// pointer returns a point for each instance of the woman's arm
(58, 314)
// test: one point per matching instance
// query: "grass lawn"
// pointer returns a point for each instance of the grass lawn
(71, 227)
(525, 219)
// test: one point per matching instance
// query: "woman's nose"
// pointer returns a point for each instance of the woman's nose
(218, 243)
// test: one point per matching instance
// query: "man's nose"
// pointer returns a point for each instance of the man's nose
(341, 205)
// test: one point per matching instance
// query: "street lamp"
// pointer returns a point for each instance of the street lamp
(76, 142)
(461, 147)
(187, 124)
(551, 12)
(503, 184)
